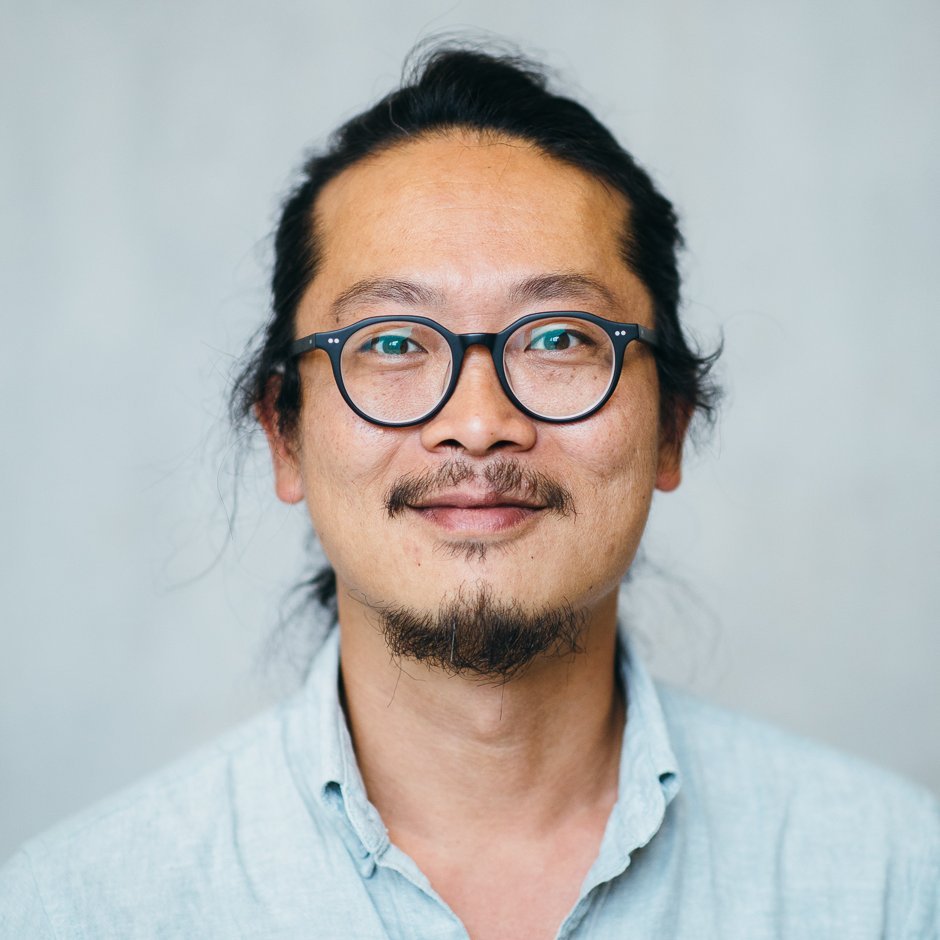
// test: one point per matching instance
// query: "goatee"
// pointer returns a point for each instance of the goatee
(475, 634)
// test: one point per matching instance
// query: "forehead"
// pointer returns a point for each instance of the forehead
(470, 216)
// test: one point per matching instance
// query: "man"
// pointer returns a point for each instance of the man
(475, 378)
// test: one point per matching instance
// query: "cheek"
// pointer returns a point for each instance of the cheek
(346, 466)
(344, 460)
(614, 466)
(619, 448)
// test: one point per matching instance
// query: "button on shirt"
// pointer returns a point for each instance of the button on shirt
(723, 828)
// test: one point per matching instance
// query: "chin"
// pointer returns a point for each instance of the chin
(472, 550)
(478, 631)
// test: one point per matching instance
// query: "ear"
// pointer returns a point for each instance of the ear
(671, 439)
(288, 481)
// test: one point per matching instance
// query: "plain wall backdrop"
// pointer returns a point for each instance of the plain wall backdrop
(143, 151)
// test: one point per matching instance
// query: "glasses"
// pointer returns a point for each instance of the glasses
(556, 366)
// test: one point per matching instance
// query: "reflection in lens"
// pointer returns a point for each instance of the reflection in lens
(396, 371)
(559, 366)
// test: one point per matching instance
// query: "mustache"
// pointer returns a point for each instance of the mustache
(503, 477)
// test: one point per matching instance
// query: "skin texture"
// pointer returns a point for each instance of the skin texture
(500, 792)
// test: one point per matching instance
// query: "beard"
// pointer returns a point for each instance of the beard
(476, 635)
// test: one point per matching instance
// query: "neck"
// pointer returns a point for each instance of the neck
(440, 752)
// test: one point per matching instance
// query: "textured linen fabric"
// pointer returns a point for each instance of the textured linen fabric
(723, 828)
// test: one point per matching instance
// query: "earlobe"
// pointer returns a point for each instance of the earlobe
(288, 481)
(669, 471)
(672, 437)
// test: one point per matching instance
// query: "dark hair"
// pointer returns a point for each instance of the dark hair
(456, 87)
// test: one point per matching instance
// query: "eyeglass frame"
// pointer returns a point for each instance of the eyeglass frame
(333, 342)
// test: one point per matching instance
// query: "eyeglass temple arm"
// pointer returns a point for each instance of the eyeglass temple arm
(300, 346)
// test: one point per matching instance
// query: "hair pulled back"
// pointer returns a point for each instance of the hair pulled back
(457, 87)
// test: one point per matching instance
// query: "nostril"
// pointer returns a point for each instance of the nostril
(501, 444)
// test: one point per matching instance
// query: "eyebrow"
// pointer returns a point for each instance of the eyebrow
(386, 289)
(537, 289)
(555, 286)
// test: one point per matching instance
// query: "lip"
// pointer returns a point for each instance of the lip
(476, 513)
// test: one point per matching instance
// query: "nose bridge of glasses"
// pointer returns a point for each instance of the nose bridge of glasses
(490, 341)
(477, 339)
(466, 341)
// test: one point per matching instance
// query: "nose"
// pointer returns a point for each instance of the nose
(479, 418)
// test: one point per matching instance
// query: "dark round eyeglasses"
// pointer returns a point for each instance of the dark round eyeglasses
(557, 366)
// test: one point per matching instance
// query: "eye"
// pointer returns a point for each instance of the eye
(556, 337)
(396, 343)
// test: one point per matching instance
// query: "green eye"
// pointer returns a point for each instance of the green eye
(555, 339)
(390, 344)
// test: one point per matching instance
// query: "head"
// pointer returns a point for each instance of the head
(475, 196)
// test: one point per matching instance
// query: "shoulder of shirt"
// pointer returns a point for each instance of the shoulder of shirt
(182, 796)
(745, 760)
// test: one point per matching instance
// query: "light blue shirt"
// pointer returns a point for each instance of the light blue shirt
(723, 828)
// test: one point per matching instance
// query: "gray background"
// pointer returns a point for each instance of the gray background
(144, 148)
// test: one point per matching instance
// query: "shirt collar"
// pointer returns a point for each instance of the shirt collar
(320, 752)
(649, 772)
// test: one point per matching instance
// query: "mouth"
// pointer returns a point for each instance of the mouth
(475, 513)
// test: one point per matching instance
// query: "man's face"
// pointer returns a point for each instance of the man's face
(484, 231)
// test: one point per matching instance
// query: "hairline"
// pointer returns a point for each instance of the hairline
(316, 242)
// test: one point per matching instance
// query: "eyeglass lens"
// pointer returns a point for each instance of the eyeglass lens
(557, 367)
